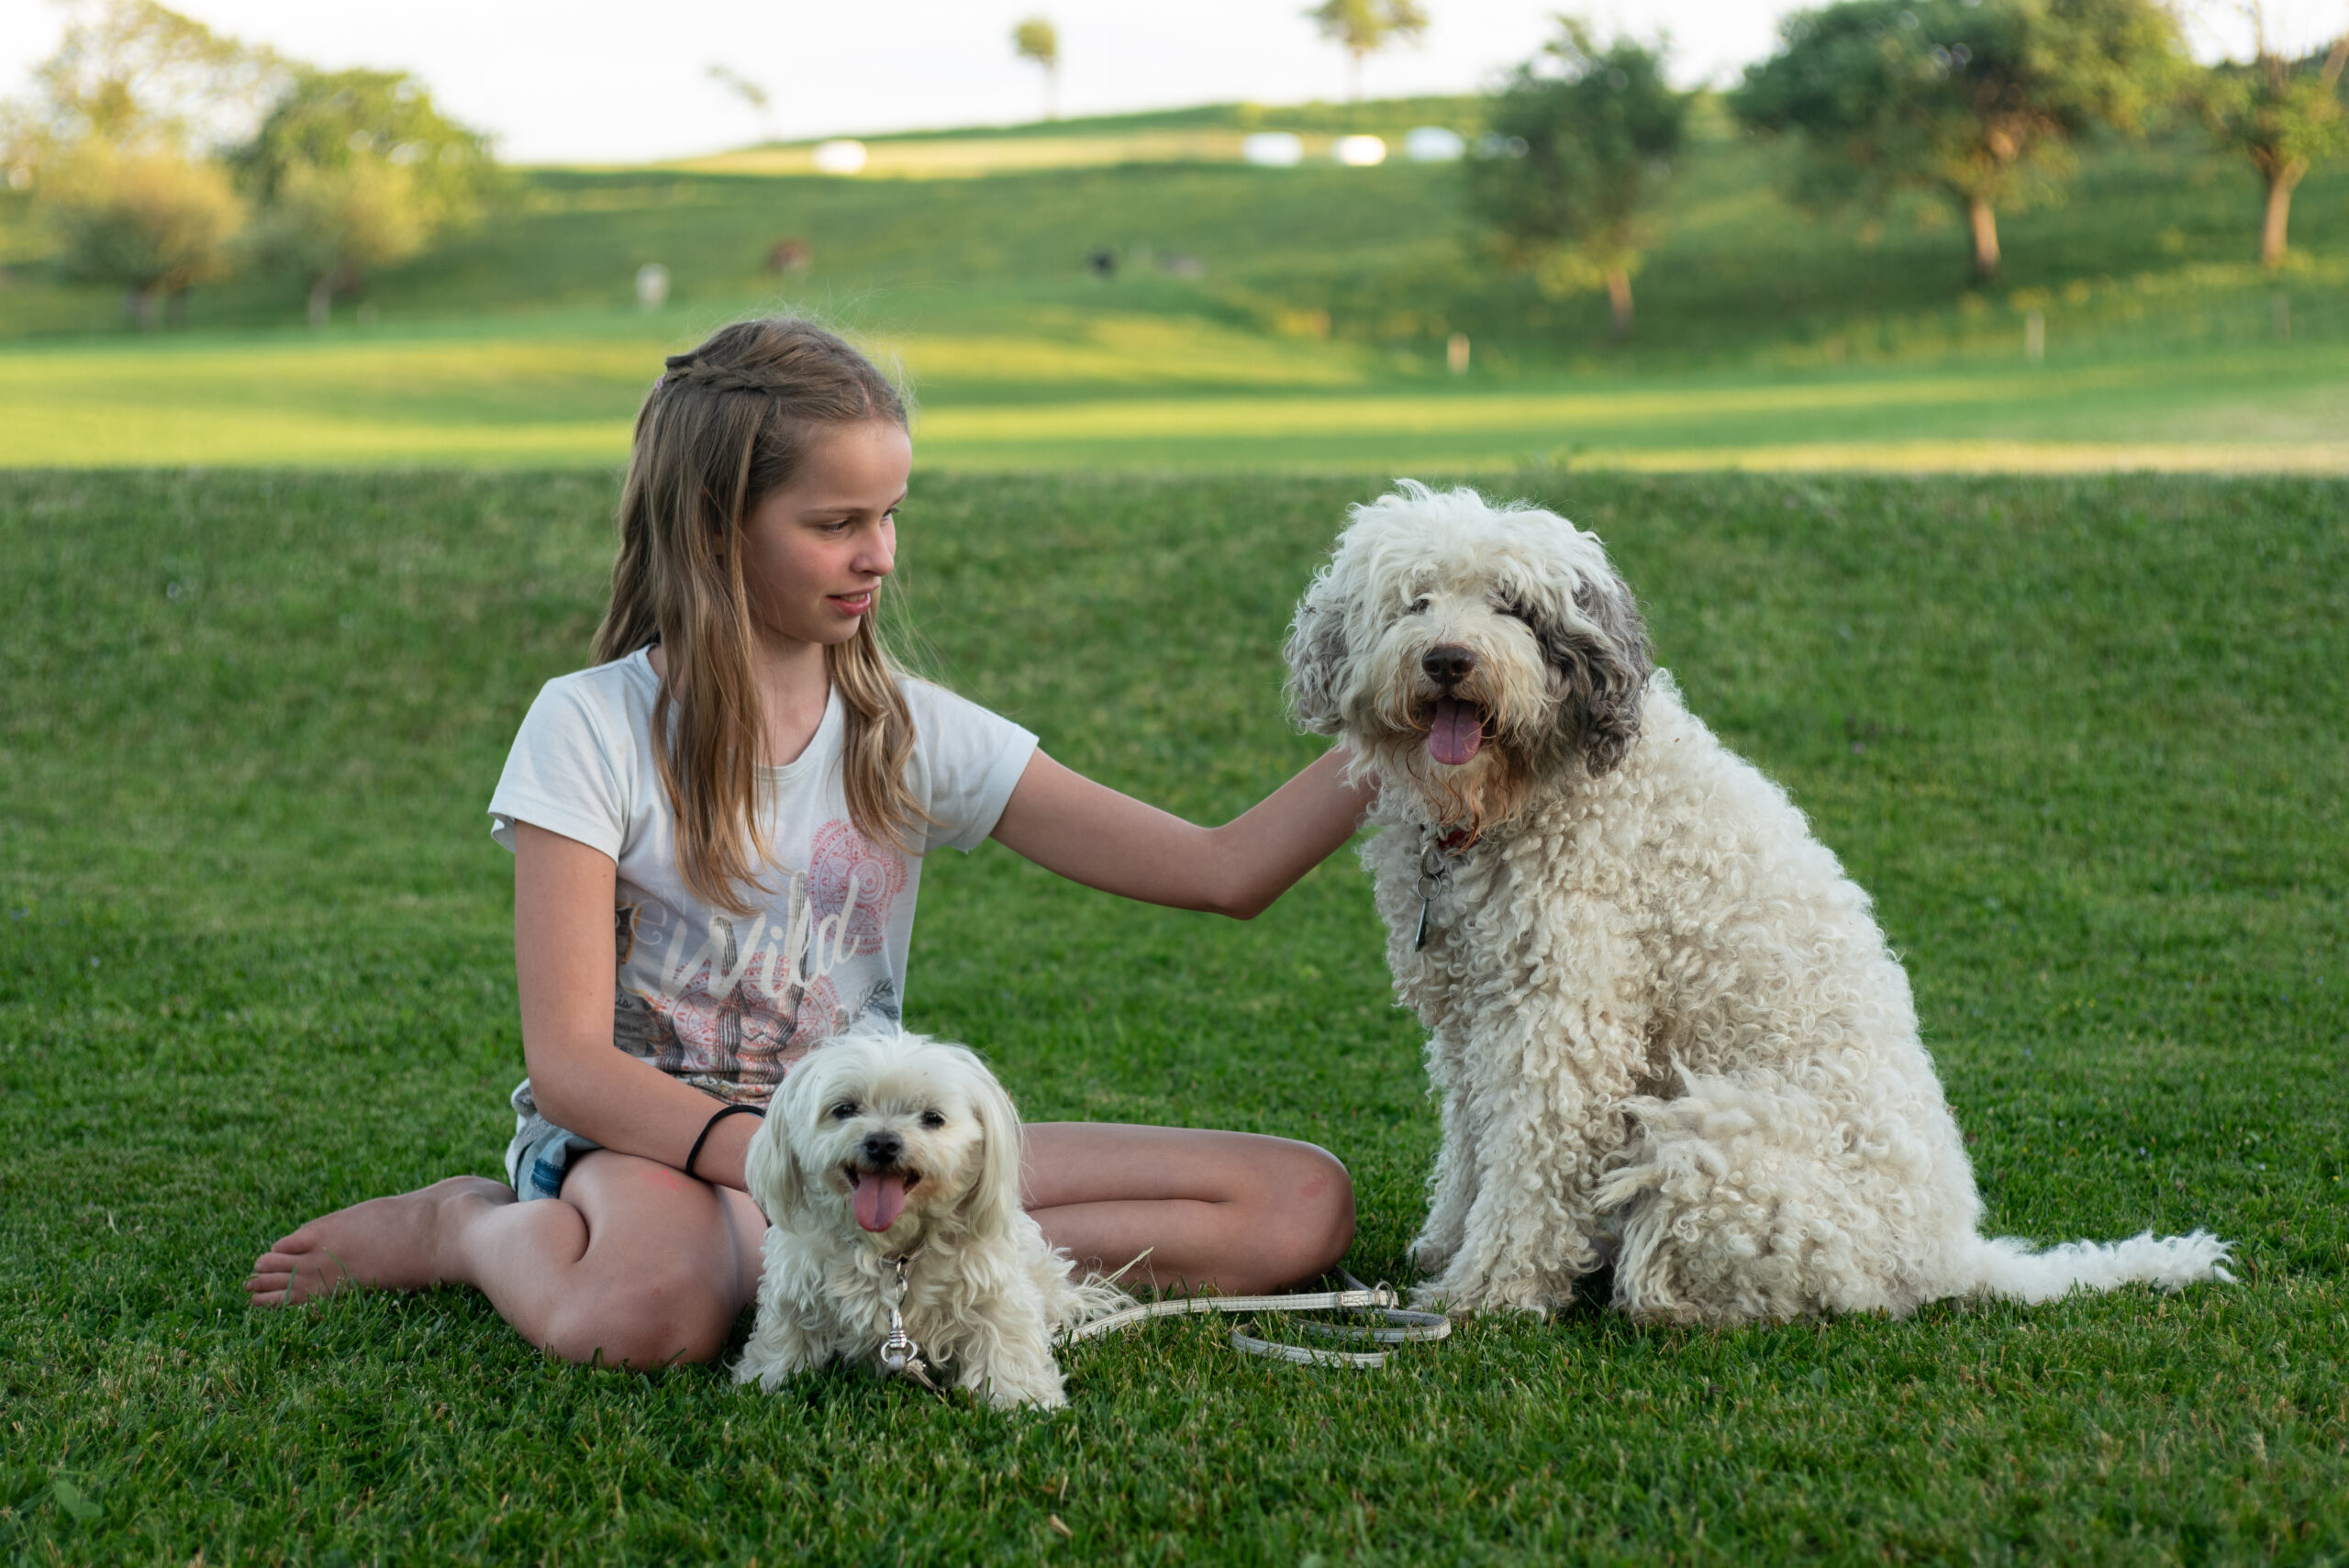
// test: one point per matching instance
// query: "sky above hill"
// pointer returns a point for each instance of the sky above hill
(564, 81)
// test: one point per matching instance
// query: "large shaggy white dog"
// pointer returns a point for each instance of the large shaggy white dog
(884, 1145)
(1665, 1029)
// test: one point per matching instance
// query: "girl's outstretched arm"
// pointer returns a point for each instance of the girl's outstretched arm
(1090, 833)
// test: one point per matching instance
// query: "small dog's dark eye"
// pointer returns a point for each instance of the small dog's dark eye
(1419, 605)
(932, 1120)
(844, 1110)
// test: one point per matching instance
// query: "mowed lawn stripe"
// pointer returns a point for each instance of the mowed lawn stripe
(1004, 401)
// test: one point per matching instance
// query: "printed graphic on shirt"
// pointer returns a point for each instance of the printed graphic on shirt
(729, 1008)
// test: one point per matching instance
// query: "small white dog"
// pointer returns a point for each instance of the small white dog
(1665, 1029)
(883, 1145)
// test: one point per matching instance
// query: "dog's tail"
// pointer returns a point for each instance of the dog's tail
(2006, 1266)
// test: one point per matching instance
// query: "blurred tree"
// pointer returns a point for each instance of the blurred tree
(1579, 141)
(1036, 38)
(750, 92)
(134, 76)
(1362, 28)
(2284, 115)
(356, 169)
(115, 144)
(149, 221)
(1978, 99)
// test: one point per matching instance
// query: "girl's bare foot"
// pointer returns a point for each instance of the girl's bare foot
(385, 1244)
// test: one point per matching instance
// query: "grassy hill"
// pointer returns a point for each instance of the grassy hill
(1207, 133)
(1268, 286)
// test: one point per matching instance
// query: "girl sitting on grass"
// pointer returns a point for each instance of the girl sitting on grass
(718, 834)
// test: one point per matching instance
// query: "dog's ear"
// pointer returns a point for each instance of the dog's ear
(770, 1171)
(778, 1185)
(994, 1196)
(1317, 653)
(1604, 660)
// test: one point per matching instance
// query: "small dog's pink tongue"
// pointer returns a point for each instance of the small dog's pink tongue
(1458, 730)
(880, 1198)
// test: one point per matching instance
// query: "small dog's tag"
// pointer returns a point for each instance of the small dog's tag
(1419, 942)
(900, 1357)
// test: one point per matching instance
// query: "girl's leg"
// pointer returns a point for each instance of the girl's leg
(1241, 1212)
(641, 1266)
(635, 1263)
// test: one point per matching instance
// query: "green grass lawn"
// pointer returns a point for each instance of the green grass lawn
(2081, 738)
(1136, 391)
(1263, 317)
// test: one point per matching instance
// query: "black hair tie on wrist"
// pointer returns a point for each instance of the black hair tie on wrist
(719, 1115)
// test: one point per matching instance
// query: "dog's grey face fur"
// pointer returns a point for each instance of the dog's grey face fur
(877, 1114)
(1465, 650)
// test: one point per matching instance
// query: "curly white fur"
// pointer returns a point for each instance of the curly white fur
(986, 1296)
(1665, 1026)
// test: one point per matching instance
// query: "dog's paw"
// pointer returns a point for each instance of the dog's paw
(1016, 1384)
(1430, 1298)
(1535, 1297)
(1463, 1298)
(1430, 1252)
(1001, 1398)
(773, 1354)
(765, 1371)
(1017, 1394)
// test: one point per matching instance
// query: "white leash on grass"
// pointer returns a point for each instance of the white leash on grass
(1377, 1302)
(901, 1357)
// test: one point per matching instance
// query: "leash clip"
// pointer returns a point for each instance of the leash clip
(900, 1356)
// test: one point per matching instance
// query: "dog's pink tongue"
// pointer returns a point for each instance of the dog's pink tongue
(879, 1200)
(1458, 730)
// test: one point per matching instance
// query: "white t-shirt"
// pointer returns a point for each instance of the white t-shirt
(728, 1002)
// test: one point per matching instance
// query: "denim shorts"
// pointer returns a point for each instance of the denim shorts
(541, 1155)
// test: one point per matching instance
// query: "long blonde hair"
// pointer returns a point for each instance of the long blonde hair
(726, 426)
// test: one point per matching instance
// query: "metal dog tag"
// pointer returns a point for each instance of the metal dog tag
(1433, 868)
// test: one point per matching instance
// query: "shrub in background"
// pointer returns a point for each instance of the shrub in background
(356, 169)
(1979, 100)
(2285, 116)
(154, 222)
(1581, 138)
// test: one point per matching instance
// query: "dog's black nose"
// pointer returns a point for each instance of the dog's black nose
(882, 1148)
(1448, 663)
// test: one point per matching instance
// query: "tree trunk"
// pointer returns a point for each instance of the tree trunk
(1619, 299)
(322, 299)
(141, 302)
(1984, 220)
(2279, 215)
(1353, 76)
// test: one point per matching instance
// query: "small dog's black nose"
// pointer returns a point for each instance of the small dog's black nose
(1448, 663)
(882, 1148)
